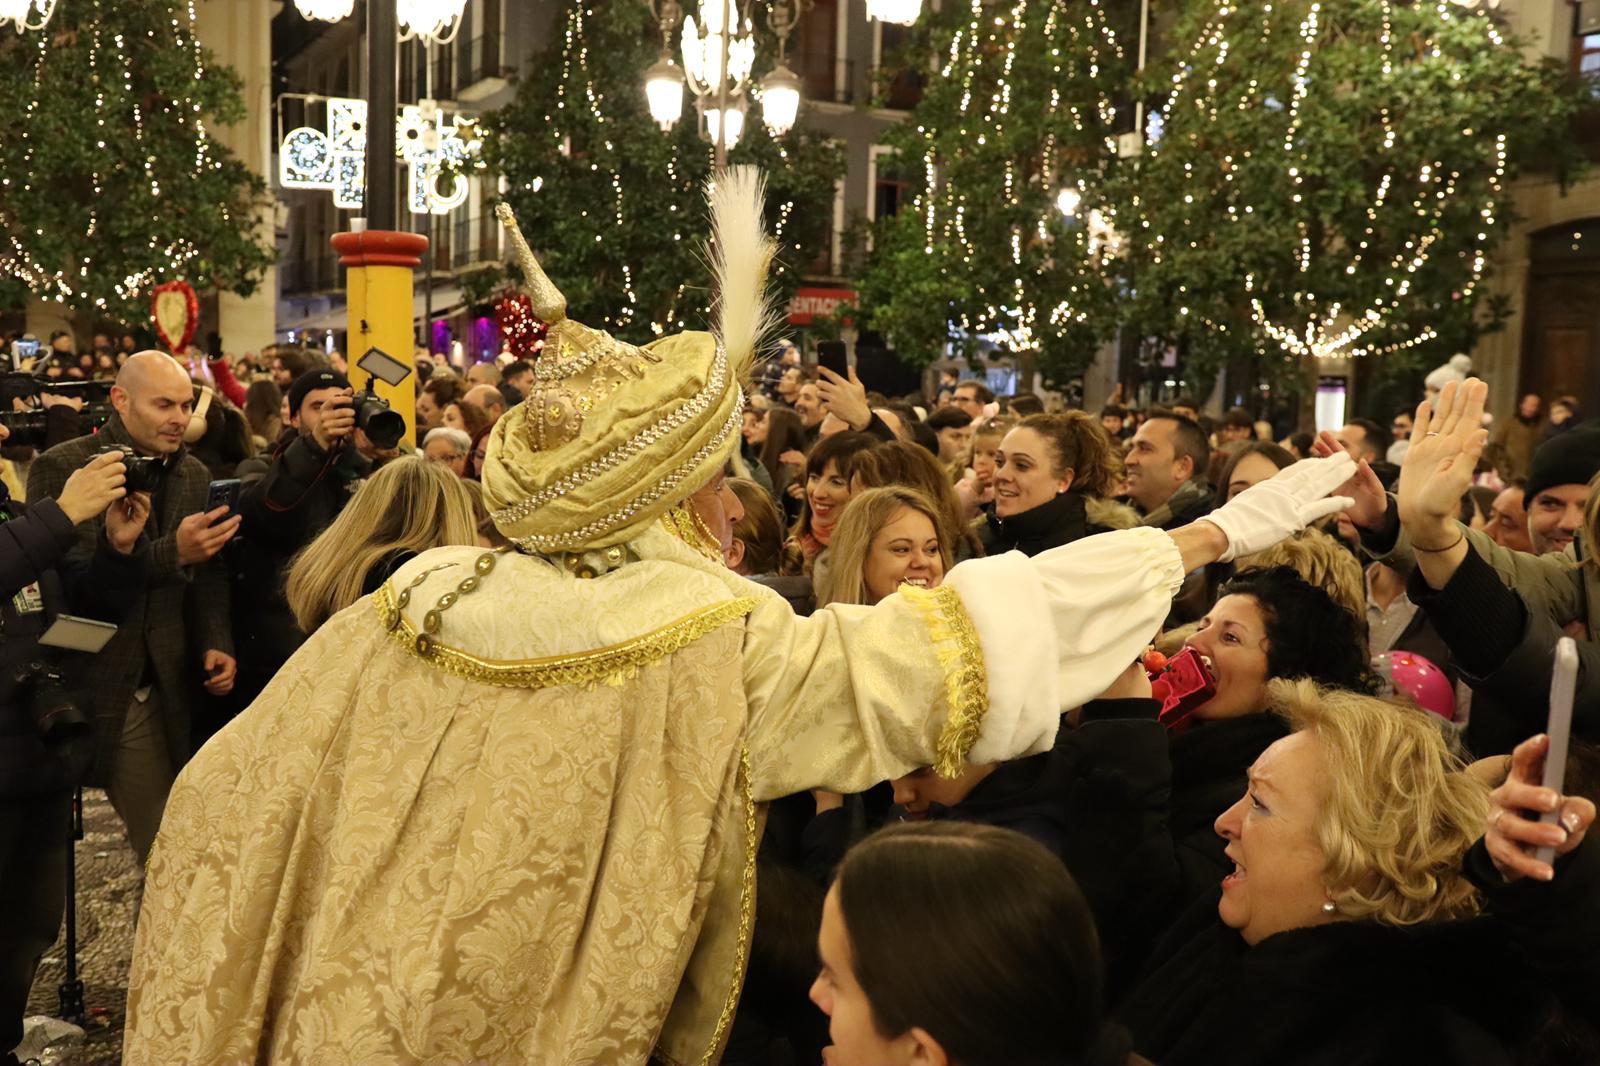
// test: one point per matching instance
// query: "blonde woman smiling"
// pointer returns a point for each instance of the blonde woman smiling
(886, 537)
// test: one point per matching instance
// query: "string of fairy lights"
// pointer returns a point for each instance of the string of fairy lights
(986, 44)
(578, 79)
(70, 286)
(1323, 327)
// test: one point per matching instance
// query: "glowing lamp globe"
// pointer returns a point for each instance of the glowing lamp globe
(429, 20)
(663, 91)
(780, 100)
(1067, 201)
(899, 12)
(735, 124)
(325, 10)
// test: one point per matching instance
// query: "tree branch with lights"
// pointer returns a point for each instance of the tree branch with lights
(1328, 179)
(614, 205)
(1009, 236)
(111, 183)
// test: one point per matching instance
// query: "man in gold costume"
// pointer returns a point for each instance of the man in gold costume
(506, 810)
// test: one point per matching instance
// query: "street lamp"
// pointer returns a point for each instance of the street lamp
(780, 89)
(325, 10)
(900, 12)
(433, 21)
(20, 13)
(663, 90)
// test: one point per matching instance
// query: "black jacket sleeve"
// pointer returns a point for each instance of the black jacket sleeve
(1554, 926)
(33, 543)
(275, 507)
(106, 584)
(1504, 645)
(1118, 841)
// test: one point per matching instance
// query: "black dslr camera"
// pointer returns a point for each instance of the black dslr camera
(383, 426)
(55, 714)
(144, 471)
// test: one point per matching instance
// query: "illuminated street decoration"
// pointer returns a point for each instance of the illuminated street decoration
(335, 158)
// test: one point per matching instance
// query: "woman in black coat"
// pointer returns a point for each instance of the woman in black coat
(1053, 482)
(1361, 923)
(1267, 625)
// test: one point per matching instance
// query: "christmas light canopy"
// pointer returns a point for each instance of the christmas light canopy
(663, 91)
(780, 100)
(899, 12)
(435, 21)
(26, 14)
(325, 10)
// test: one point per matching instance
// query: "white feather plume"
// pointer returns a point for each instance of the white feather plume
(740, 252)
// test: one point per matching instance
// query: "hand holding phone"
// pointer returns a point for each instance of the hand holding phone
(1563, 687)
(223, 493)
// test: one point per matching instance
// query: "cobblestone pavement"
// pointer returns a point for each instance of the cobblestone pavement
(107, 885)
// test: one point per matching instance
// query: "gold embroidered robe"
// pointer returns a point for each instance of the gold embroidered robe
(535, 843)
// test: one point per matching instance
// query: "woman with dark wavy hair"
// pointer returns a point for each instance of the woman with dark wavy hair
(1267, 625)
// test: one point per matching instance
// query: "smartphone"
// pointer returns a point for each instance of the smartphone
(223, 493)
(78, 634)
(831, 354)
(1563, 684)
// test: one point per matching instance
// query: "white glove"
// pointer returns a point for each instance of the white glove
(1281, 506)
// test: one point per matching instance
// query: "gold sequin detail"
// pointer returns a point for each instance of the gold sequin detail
(966, 678)
(607, 665)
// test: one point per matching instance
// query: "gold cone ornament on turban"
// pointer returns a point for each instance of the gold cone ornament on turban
(611, 435)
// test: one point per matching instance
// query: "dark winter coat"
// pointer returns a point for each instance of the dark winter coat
(1474, 992)
(179, 615)
(1140, 815)
(34, 545)
(287, 498)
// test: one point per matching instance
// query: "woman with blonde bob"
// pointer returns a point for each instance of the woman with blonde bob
(886, 537)
(407, 507)
(1365, 921)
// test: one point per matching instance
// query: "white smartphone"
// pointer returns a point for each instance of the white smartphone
(78, 634)
(1563, 685)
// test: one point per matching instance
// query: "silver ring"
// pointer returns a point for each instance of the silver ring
(1435, 433)
(1494, 819)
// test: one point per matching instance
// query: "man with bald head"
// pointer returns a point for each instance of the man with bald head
(489, 398)
(177, 631)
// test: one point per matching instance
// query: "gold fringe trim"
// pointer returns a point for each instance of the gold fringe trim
(610, 665)
(966, 678)
(747, 922)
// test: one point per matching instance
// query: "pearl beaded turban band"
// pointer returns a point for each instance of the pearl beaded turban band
(612, 436)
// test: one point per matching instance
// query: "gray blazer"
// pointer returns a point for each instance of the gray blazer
(181, 614)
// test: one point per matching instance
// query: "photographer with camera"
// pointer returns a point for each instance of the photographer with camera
(43, 730)
(336, 438)
(177, 630)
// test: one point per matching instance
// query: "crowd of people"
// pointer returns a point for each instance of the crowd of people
(1327, 859)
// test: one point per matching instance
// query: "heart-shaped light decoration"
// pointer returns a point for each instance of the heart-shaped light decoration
(176, 311)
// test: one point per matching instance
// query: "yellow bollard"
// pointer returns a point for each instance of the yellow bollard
(378, 296)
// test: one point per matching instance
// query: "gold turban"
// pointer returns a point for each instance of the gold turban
(611, 436)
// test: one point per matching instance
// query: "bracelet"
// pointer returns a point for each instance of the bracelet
(1435, 551)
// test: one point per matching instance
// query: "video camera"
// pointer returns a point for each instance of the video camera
(29, 427)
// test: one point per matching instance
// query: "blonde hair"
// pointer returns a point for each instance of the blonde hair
(1400, 812)
(864, 516)
(1591, 524)
(410, 504)
(1321, 561)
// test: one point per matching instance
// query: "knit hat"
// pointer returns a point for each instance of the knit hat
(1571, 458)
(611, 436)
(309, 382)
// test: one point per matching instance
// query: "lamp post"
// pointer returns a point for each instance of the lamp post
(719, 55)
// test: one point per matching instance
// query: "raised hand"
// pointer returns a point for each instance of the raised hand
(91, 488)
(1284, 504)
(1445, 445)
(847, 399)
(1371, 501)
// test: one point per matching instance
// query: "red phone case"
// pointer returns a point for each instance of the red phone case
(1183, 685)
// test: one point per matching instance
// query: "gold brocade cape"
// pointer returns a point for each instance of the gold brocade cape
(535, 843)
